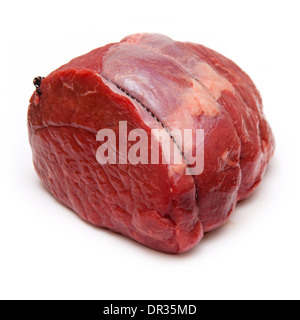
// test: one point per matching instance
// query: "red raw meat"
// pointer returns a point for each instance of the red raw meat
(152, 82)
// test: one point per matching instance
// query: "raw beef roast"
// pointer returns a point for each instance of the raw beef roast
(150, 82)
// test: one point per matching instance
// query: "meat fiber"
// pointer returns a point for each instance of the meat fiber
(152, 82)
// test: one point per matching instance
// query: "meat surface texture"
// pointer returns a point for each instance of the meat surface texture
(151, 82)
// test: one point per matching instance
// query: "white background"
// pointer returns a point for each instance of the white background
(47, 252)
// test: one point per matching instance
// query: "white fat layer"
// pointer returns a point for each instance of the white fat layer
(213, 81)
(69, 86)
(200, 102)
(200, 70)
